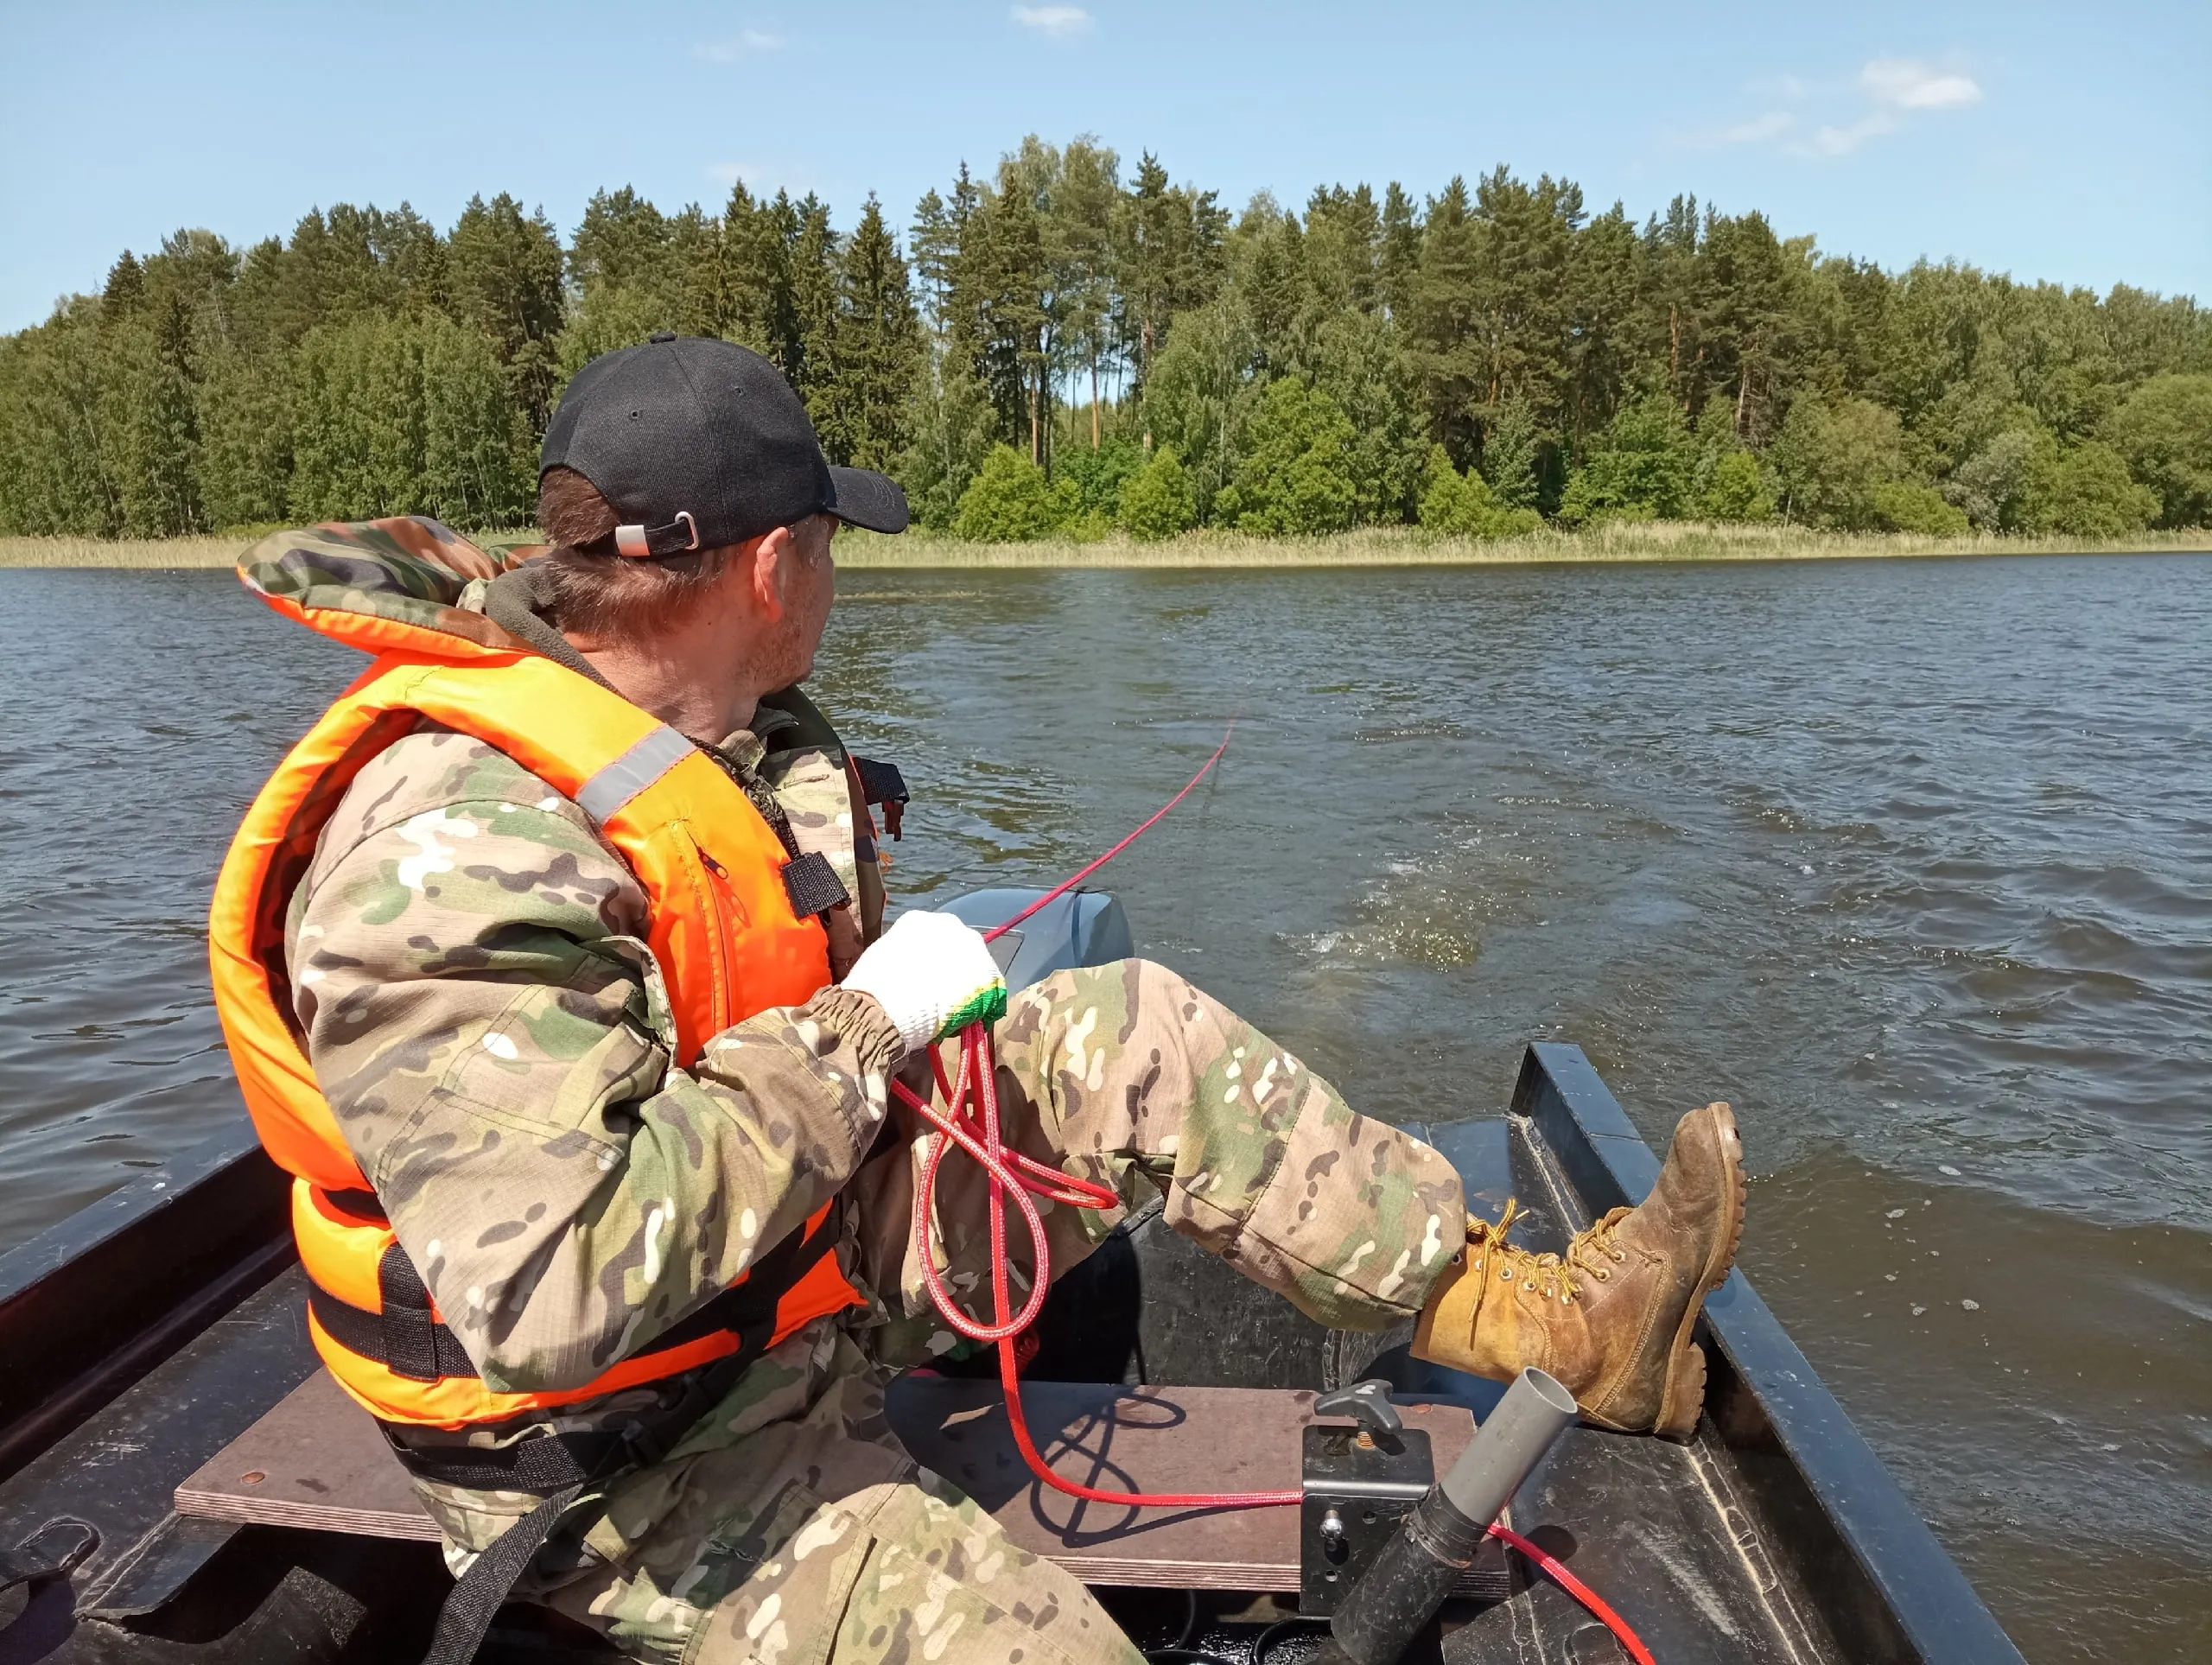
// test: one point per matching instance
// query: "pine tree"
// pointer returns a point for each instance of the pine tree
(369, 363)
(810, 353)
(1447, 330)
(756, 273)
(619, 244)
(877, 348)
(1398, 253)
(506, 284)
(949, 415)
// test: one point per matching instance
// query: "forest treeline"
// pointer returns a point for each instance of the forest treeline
(1067, 346)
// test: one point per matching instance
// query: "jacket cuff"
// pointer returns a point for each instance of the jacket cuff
(864, 1025)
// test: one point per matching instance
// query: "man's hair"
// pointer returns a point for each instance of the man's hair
(612, 597)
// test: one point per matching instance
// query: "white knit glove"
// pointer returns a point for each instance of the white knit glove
(932, 974)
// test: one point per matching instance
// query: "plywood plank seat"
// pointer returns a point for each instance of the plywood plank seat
(317, 1461)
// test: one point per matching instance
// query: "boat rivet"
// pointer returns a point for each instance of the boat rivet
(252, 1477)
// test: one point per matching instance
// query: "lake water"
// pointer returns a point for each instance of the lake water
(1910, 861)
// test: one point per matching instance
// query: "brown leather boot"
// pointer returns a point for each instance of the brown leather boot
(1612, 1318)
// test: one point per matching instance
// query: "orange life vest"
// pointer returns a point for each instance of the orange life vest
(722, 928)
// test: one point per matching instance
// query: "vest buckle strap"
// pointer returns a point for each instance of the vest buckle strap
(813, 886)
(416, 1345)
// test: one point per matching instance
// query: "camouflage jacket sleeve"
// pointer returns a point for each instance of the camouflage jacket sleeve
(485, 1020)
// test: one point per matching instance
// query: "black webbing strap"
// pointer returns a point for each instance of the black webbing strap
(880, 783)
(480, 1592)
(809, 880)
(813, 886)
(543, 1465)
(415, 1343)
(560, 1466)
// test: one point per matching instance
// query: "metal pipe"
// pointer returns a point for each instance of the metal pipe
(1534, 1412)
(1415, 1571)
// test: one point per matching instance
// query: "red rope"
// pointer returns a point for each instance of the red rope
(1582, 1592)
(974, 1126)
(1069, 884)
(970, 1121)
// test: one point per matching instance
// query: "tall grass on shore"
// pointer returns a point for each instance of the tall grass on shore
(1620, 542)
(159, 552)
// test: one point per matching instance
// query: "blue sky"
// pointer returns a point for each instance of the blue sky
(2072, 143)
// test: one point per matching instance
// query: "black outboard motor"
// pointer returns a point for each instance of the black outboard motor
(1412, 1573)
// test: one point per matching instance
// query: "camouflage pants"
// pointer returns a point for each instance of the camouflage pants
(790, 1526)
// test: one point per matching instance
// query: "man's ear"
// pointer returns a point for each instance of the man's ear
(764, 567)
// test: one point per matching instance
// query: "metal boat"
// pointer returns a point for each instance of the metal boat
(154, 1343)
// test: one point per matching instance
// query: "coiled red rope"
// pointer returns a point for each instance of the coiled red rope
(970, 1121)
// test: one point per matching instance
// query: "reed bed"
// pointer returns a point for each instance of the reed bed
(1620, 543)
(1378, 546)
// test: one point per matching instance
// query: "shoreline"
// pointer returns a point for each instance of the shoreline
(1620, 543)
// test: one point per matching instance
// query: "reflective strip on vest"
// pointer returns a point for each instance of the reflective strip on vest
(604, 795)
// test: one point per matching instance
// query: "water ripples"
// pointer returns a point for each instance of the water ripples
(1909, 860)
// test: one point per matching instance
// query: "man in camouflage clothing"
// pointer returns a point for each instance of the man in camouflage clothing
(468, 966)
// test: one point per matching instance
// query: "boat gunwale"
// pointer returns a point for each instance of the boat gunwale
(1912, 1603)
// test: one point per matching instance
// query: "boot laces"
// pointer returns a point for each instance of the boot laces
(1594, 1250)
(1591, 1252)
(1548, 1275)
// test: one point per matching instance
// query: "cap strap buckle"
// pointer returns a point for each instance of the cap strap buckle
(679, 537)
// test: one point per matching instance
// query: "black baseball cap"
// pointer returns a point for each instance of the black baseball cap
(698, 444)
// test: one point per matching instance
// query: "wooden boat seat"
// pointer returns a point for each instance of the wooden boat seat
(317, 1461)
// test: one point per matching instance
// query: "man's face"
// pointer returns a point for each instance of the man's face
(810, 585)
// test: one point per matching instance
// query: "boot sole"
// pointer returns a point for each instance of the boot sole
(1684, 1399)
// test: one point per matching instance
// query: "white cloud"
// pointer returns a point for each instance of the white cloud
(1758, 129)
(1816, 121)
(1842, 140)
(746, 43)
(1908, 84)
(1059, 21)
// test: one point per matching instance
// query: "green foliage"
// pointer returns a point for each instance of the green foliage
(1295, 475)
(874, 347)
(394, 416)
(505, 282)
(2164, 432)
(1099, 475)
(56, 470)
(1512, 450)
(1906, 505)
(1199, 395)
(948, 417)
(1010, 500)
(1360, 365)
(1452, 503)
(1988, 485)
(1157, 501)
(1736, 490)
(1698, 363)
(1642, 468)
(1831, 459)
(2085, 490)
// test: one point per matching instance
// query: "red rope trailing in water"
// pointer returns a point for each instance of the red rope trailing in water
(970, 1121)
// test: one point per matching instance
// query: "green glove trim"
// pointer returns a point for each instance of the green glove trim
(986, 1005)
